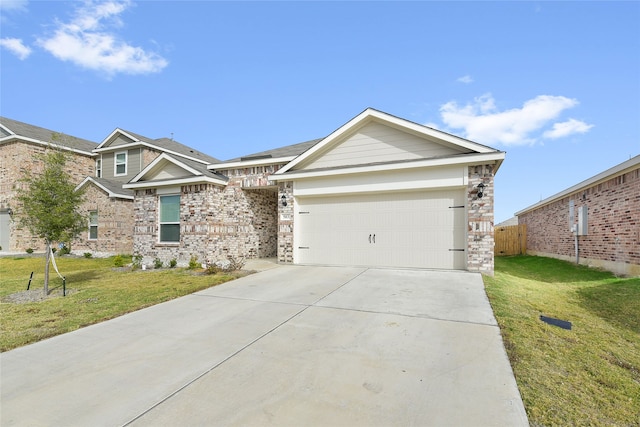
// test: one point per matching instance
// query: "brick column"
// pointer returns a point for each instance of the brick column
(480, 220)
(285, 223)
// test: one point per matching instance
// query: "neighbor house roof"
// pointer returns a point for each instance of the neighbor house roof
(191, 172)
(161, 144)
(622, 168)
(276, 155)
(13, 129)
(112, 188)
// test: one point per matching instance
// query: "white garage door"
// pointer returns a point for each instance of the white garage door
(423, 229)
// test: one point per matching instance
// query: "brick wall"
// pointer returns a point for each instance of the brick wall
(115, 224)
(238, 220)
(613, 239)
(480, 214)
(15, 159)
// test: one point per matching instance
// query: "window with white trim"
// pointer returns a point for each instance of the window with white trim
(120, 164)
(99, 168)
(93, 225)
(170, 218)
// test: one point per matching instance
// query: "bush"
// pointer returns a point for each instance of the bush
(193, 262)
(173, 263)
(212, 269)
(118, 261)
(157, 263)
(235, 263)
(88, 254)
(64, 250)
(136, 261)
(29, 250)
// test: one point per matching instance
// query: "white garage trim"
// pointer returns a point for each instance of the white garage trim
(397, 180)
(415, 229)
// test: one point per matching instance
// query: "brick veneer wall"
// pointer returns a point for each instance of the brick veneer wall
(480, 215)
(613, 239)
(115, 224)
(216, 222)
(285, 223)
(18, 157)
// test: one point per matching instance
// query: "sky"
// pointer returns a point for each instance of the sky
(556, 85)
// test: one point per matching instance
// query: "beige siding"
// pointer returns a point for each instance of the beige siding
(169, 171)
(118, 141)
(133, 165)
(376, 142)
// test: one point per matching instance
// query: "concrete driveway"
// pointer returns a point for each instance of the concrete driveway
(293, 345)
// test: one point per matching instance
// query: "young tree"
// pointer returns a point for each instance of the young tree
(49, 204)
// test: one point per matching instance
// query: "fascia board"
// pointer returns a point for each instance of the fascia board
(102, 187)
(111, 135)
(15, 137)
(154, 163)
(469, 159)
(7, 129)
(620, 169)
(369, 115)
(138, 143)
(250, 163)
(173, 182)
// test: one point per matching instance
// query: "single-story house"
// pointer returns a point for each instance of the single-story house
(379, 191)
(595, 222)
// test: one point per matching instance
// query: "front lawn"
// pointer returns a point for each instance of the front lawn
(97, 291)
(589, 375)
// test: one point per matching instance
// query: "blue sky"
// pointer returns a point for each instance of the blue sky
(554, 84)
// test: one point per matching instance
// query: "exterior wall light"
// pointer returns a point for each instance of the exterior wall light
(10, 211)
(284, 200)
(480, 190)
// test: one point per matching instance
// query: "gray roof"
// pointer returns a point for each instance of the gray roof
(114, 186)
(288, 151)
(45, 135)
(174, 146)
(200, 167)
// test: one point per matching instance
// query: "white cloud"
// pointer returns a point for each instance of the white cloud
(86, 41)
(465, 79)
(483, 122)
(571, 126)
(16, 47)
(15, 5)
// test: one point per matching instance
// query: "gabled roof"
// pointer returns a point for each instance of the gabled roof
(13, 129)
(190, 172)
(462, 150)
(161, 144)
(276, 155)
(112, 188)
(624, 167)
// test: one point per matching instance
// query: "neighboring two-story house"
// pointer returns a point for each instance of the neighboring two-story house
(109, 206)
(21, 146)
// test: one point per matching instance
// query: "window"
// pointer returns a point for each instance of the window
(93, 225)
(99, 168)
(170, 218)
(120, 164)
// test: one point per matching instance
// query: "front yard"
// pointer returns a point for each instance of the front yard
(97, 291)
(589, 375)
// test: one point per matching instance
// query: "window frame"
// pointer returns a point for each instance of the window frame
(116, 164)
(162, 223)
(93, 225)
(99, 168)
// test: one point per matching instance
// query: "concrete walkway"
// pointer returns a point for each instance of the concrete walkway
(291, 345)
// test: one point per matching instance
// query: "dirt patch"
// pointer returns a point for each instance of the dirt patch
(36, 295)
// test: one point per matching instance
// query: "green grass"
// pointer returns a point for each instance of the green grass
(589, 375)
(98, 292)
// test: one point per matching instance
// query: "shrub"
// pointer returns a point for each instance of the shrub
(118, 261)
(88, 254)
(157, 263)
(212, 269)
(29, 250)
(136, 261)
(235, 263)
(193, 262)
(54, 250)
(173, 263)
(64, 250)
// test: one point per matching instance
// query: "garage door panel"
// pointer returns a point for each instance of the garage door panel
(416, 229)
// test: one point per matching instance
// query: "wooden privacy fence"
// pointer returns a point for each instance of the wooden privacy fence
(510, 240)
